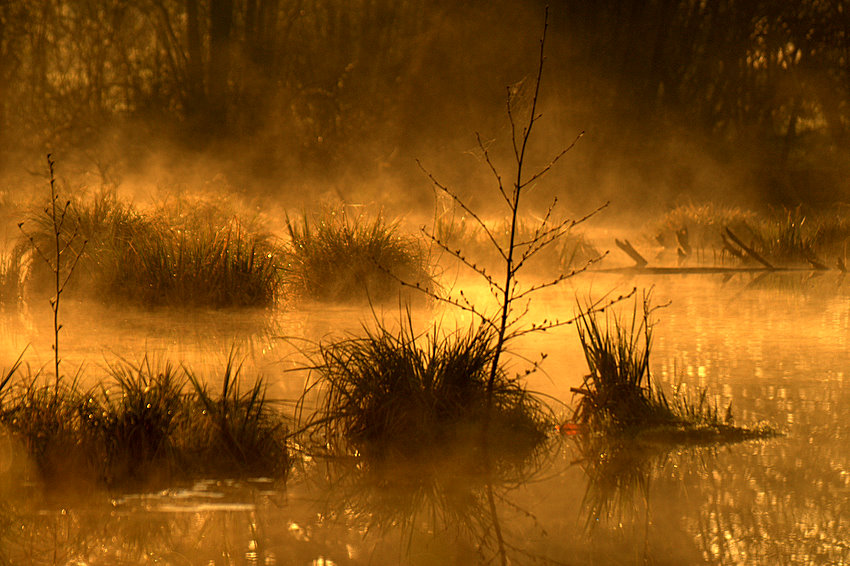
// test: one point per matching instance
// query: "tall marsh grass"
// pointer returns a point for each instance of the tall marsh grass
(783, 236)
(396, 393)
(148, 258)
(619, 390)
(337, 257)
(145, 423)
(619, 393)
(703, 223)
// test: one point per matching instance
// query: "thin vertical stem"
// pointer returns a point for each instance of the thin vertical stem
(514, 206)
(54, 304)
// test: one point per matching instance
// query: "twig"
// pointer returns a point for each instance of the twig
(464, 207)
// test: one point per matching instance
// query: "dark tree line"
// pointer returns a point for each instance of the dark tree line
(769, 81)
(314, 83)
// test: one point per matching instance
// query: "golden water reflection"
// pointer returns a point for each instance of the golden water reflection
(778, 353)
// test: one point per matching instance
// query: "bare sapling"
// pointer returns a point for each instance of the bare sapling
(513, 300)
(60, 255)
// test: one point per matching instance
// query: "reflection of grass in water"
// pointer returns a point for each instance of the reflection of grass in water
(620, 395)
(396, 393)
(335, 257)
(618, 472)
(439, 502)
(417, 436)
(106, 529)
(625, 512)
(144, 425)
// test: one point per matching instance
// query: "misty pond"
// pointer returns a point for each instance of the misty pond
(774, 347)
(225, 177)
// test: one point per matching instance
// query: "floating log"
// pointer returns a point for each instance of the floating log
(673, 270)
(749, 251)
(727, 245)
(627, 247)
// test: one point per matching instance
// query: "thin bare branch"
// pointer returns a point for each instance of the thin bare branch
(463, 304)
(457, 254)
(465, 208)
(493, 169)
(526, 133)
(560, 278)
(551, 235)
(513, 125)
(73, 265)
(552, 162)
(597, 307)
(37, 249)
(543, 223)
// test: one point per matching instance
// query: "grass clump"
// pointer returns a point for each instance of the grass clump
(159, 258)
(790, 236)
(131, 423)
(393, 393)
(336, 257)
(618, 390)
(620, 395)
(785, 237)
(701, 225)
(571, 250)
(43, 420)
(146, 424)
(235, 429)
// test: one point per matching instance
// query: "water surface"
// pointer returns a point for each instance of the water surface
(776, 349)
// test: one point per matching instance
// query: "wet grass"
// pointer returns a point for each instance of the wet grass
(701, 224)
(786, 237)
(149, 258)
(619, 395)
(337, 257)
(572, 249)
(399, 394)
(145, 424)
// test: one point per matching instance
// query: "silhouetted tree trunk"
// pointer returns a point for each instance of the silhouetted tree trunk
(195, 65)
(221, 25)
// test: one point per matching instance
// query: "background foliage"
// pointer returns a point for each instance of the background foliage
(330, 89)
